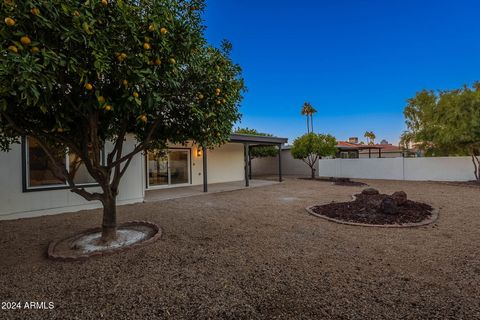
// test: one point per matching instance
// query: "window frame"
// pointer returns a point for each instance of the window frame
(65, 186)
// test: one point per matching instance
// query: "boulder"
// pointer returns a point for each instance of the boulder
(389, 206)
(370, 191)
(400, 198)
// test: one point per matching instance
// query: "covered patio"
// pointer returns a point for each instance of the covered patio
(183, 192)
(249, 142)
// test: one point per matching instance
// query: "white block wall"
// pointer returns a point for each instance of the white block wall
(421, 169)
(290, 166)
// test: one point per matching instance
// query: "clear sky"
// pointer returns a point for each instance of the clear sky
(356, 61)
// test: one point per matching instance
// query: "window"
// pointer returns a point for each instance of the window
(39, 168)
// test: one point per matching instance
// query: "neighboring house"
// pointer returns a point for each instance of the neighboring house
(351, 149)
(30, 189)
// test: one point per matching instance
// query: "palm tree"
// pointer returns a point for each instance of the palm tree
(312, 112)
(370, 137)
(308, 110)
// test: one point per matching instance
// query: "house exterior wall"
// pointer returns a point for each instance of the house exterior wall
(290, 166)
(225, 164)
(419, 169)
(14, 203)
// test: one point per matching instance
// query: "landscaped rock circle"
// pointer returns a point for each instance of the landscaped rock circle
(371, 208)
(87, 244)
(370, 191)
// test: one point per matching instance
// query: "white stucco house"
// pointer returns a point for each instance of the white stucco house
(28, 188)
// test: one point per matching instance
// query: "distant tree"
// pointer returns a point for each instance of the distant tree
(445, 123)
(308, 110)
(384, 141)
(75, 75)
(370, 136)
(259, 151)
(311, 146)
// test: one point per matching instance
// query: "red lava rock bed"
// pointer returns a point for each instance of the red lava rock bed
(372, 207)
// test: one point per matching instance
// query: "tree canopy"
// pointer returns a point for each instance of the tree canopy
(76, 74)
(259, 151)
(311, 146)
(370, 135)
(445, 123)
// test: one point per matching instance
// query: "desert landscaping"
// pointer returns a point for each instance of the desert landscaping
(257, 254)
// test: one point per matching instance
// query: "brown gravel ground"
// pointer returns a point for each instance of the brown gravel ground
(257, 254)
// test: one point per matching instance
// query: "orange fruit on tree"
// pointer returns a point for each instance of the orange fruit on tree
(146, 46)
(151, 28)
(60, 129)
(121, 57)
(35, 11)
(172, 61)
(88, 86)
(13, 49)
(9, 21)
(200, 96)
(163, 30)
(34, 50)
(101, 99)
(217, 91)
(125, 82)
(158, 61)
(135, 94)
(108, 107)
(143, 118)
(104, 3)
(25, 40)
(76, 13)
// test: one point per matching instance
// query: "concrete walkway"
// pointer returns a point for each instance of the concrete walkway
(183, 192)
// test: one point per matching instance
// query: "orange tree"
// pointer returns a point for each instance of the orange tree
(82, 75)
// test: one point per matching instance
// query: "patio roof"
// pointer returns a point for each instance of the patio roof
(255, 139)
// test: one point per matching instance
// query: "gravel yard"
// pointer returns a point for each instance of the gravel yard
(257, 254)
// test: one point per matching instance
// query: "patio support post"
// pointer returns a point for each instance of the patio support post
(249, 163)
(379, 153)
(246, 158)
(205, 173)
(280, 163)
(369, 153)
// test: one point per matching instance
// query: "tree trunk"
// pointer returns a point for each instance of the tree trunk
(476, 163)
(311, 121)
(109, 223)
(308, 125)
(313, 173)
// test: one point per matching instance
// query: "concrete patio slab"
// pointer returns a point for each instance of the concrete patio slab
(183, 192)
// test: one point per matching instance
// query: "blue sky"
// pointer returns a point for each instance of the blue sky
(356, 61)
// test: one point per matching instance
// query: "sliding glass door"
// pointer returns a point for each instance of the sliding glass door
(168, 167)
